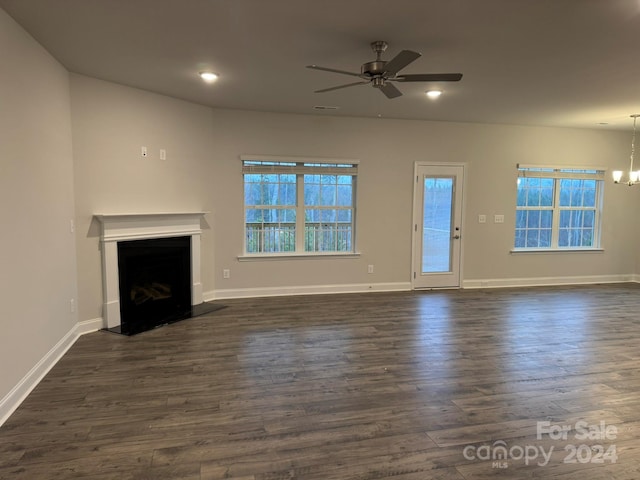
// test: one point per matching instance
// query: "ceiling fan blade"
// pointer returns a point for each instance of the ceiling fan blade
(397, 63)
(339, 86)
(325, 69)
(428, 77)
(390, 90)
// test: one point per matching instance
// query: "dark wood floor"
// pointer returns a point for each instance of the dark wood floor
(409, 386)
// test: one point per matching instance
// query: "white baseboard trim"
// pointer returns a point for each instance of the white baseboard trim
(548, 281)
(16, 396)
(305, 290)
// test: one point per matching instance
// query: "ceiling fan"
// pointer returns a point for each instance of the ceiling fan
(380, 73)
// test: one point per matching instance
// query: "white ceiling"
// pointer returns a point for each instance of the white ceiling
(570, 63)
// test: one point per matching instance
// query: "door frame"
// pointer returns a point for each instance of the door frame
(417, 210)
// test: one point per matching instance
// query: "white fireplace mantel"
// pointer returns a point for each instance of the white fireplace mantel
(138, 226)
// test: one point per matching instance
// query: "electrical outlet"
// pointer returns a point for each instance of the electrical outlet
(482, 219)
(163, 154)
(370, 269)
(498, 219)
(226, 273)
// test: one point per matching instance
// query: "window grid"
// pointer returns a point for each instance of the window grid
(298, 211)
(558, 212)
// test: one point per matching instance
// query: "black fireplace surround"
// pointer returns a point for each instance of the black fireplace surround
(155, 282)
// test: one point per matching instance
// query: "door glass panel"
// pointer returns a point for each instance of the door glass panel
(436, 231)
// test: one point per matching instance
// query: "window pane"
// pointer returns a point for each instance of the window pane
(563, 239)
(311, 193)
(328, 195)
(328, 179)
(545, 237)
(576, 218)
(533, 197)
(546, 197)
(533, 238)
(252, 193)
(270, 230)
(327, 216)
(546, 218)
(328, 236)
(521, 200)
(344, 215)
(576, 197)
(438, 206)
(587, 237)
(254, 216)
(589, 197)
(344, 195)
(565, 192)
(311, 215)
(589, 216)
(573, 231)
(287, 194)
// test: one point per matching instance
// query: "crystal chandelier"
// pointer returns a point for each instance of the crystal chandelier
(634, 176)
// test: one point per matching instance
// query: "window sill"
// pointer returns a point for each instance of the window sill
(297, 256)
(556, 250)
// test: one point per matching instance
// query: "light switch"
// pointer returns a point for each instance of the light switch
(482, 219)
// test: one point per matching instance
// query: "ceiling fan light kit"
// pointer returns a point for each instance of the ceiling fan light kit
(633, 176)
(379, 73)
(208, 77)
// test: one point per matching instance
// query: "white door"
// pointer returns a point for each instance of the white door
(437, 229)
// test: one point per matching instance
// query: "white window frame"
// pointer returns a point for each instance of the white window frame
(557, 173)
(300, 166)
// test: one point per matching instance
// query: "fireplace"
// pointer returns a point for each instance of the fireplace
(150, 269)
(155, 282)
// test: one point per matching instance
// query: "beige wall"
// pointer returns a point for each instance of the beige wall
(111, 122)
(37, 257)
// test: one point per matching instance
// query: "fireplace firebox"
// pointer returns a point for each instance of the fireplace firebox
(155, 282)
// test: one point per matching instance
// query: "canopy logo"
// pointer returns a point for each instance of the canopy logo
(500, 453)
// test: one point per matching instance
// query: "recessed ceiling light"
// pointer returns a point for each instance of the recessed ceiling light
(208, 77)
(434, 93)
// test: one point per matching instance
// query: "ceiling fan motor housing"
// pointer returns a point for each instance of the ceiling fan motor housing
(371, 69)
